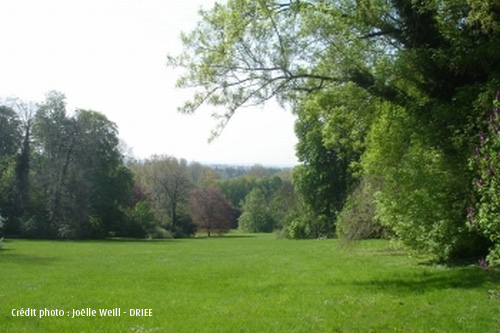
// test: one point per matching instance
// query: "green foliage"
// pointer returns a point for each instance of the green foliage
(305, 224)
(168, 183)
(186, 227)
(486, 13)
(10, 139)
(284, 204)
(357, 219)
(331, 128)
(38, 227)
(142, 221)
(422, 196)
(321, 180)
(10, 134)
(256, 216)
(7, 183)
(63, 175)
(236, 189)
(483, 216)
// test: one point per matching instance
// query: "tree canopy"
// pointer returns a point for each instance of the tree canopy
(210, 210)
(67, 177)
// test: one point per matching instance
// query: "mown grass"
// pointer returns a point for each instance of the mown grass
(241, 283)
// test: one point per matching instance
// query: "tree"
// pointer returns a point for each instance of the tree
(236, 189)
(331, 128)
(197, 173)
(105, 184)
(10, 138)
(284, 204)
(23, 164)
(79, 174)
(247, 52)
(142, 221)
(321, 180)
(256, 216)
(10, 135)
(55, 143)
(210, 210)
(169, 183)
(257, 171)
(358, 219)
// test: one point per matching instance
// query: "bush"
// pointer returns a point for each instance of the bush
(304, 224)
(423, 193)
(36, 227)
(160, 232)
(142, 221)
(185, 226)
(357, 220)
(483, 215)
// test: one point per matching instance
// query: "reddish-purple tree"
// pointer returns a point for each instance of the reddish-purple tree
(210, 210)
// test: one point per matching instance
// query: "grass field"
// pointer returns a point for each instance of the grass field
(240, 283)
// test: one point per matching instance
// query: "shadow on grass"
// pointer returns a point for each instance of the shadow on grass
(136, 240)
(229, 236)
(167, 240)
(11, 257)
(419, 283)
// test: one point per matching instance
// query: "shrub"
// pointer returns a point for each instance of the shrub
(483, 215)
(37, 227)
(421, 197)
(305, 224)
(142, 221)
(185, 226)
(357, 220)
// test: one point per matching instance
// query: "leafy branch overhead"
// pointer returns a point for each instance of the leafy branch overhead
(247, 52)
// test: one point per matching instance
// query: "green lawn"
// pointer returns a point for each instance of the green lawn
(241, 283)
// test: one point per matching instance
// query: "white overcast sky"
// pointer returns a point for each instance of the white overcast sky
(109, 56)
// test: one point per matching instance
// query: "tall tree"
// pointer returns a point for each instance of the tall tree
(80, 170)
(284, 203)
(10, 138)
(169, 182)
(104, 182)
(26, 113)
(56, 143)
(10, 135)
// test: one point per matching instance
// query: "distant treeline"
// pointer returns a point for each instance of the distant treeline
(66, 175)
(235, 171)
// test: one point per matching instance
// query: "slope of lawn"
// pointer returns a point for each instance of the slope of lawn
(240, 283)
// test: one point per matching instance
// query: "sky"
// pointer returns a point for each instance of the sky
(110, 56)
